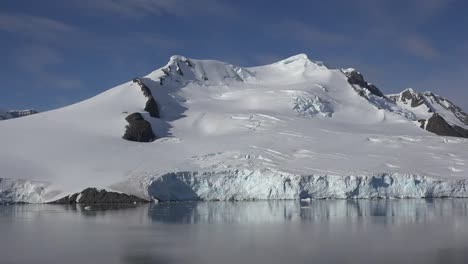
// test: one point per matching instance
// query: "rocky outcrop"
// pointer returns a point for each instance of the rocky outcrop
(356, 78)
(435, 113)
(409, 95)
(434, 104)
(151, 106)
(4, 115)
(373, 95)
(437, 125)
(447, 104)
(138, 129)
(95, 196)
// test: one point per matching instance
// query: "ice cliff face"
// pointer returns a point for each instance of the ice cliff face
(209, 130)
(267, 184)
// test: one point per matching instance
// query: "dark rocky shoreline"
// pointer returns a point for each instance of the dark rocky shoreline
(93, 196)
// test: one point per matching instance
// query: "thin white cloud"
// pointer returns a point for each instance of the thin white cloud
(307, 33)
(37, 61)
(43, 42)
(391, 13)
(39, 28)
(420, 47)
(430, 8)
(143, 8)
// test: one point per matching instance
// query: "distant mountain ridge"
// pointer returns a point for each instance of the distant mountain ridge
(10, 114)
(434, 112)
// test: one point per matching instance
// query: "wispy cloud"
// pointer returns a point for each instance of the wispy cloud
(45, 40)
(143, 8)
(38, 28)
(39, 54)
(38, 60)
(426, 9)
(307, 33)
(390, 13)
(419, 46)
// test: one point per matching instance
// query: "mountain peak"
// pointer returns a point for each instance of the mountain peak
(409, 90)
(427, 103)
(177, 58)
(296, 58)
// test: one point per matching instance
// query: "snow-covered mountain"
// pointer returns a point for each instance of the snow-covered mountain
(209, 130)
(4, 114)
(434, 113)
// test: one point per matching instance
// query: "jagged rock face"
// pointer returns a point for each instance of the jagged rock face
(356, 78)
(95, 196)
(138, 129)
(435, 113)
(415, 98)
(463, 132)
(437, 125)
(151, 106)
(434, 104)
(447, 104)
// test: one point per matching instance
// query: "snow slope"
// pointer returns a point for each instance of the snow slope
(293, 129)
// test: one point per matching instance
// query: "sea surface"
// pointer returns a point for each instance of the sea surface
(363, 231)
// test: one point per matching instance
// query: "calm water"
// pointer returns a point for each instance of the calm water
(407, 231)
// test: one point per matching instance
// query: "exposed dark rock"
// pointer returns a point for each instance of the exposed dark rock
(463, 132)
(151, 106)
(166, 71)
(356, 78)
(16, 114)
(422, 122)
(146, 91)
(432, 101)
(179, 70)
(134, 117)
(415, 98)
(437, 125)
(447, 104)
(374, 90)
(138, 129)
(95, 196)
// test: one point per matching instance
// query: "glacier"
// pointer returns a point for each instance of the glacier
(245, 184)
(294, 129)
(250, 185)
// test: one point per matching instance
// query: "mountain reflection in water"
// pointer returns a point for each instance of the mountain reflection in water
(361, 231)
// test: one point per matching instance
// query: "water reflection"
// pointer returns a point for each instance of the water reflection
(391, 211)
(361, 231)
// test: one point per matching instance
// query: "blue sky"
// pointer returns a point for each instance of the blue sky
(58, 52)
